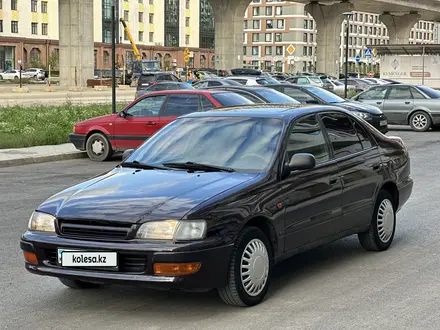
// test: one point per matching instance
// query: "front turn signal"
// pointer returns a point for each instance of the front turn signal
(30, 257)
(176, 269)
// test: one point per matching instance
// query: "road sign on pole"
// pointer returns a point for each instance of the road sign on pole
(358, 58)
(368, 52)
(186, 58)
(291, 49)
(374, 51)
(186, 52)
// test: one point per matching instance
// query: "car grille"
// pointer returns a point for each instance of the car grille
(86, 229)
(127, 262)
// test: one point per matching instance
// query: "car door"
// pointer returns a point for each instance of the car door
(178, 105)
(374, 96)
(141, 120)
(313, 198)
(359, 165)
(398, 104)
(10, 74)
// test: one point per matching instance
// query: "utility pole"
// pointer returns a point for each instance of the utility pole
(113, 58)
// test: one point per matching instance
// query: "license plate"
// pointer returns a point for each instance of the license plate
(76, 258)
(383, 123)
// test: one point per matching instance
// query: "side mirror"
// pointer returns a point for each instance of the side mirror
(127, 154)
(122, 114)
(302, 161)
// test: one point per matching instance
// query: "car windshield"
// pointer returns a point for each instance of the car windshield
(324, 95)
(271, 80)
(151, 66)
(432, 93)
(273, 96)
(263, 81)
(247, 144)
(146, 80)
(315, 80)
(229, 99)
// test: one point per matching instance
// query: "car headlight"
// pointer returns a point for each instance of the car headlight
(173, 230)
(362, 115)
(40, 221)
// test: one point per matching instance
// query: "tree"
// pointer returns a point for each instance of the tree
(53, 61)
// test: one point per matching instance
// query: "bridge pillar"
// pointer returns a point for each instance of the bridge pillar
(328, 23)
(228, 18)
(76, 42)
(399, 27)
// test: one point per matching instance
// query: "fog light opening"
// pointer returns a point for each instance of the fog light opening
(176, 269)
(30, 257)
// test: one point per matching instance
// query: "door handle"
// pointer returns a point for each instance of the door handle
(333, 181)
(150, 123)
(407, 102)
(378, 102)
(376, 166)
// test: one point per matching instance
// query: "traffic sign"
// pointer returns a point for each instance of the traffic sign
(368, 52)
(291, 49)
(186, 58)
(374, 52)
(358, 58)
(186, 52)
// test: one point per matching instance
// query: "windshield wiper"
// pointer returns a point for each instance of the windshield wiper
(199, 166)
(136, 164)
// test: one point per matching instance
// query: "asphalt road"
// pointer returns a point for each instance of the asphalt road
(338, 286)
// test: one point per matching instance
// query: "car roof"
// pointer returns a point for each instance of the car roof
(281, 111)
(248, 77)
(186, 91)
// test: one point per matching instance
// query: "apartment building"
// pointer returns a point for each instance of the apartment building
(272, 28)
(160, 29)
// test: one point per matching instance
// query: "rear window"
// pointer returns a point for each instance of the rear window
(273, 96)
(229, 99)
(146, 79)
(432, 93)
(315, 79)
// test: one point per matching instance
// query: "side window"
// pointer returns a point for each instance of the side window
(167, 77)
(206, 104)
(249, 96)
(416, 94)
(181, 104)
(214, 83)
(302, 81)
(148, 107)
(375, 93)
(399, 93)
(342, 133)
(297, 94)
(306, 136)
(351, 83)
(174, 78)
(241, 81)
(365, 138)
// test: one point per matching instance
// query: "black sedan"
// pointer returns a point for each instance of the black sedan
(259, 94)
(216, 199)
(317, 95)
(162, 86)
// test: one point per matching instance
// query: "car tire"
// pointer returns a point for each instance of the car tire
(98, 147)
(420, 121)
(383, 224)
(254, 244)
(75, 284)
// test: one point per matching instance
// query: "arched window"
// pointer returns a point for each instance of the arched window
(167, 62)
(202, 61)
(35, 54)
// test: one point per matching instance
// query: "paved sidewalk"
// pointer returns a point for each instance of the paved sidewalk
(40, 154)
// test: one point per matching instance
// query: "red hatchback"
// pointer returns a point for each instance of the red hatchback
(102, 136)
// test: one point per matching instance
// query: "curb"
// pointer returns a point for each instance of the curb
(42, 159)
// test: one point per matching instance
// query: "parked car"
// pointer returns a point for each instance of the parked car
(404, 104)
(216, 199)
(148, 79)
(252, 80)
(213, 82)
(163, 86)
(339, 88)
(306, 80)
(377, 81)
(103, 136)
(317, 95)
(14, 75)
(259, 94)
(357, 84)
(38, 74)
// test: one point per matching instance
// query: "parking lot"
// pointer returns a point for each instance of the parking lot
(338, 286)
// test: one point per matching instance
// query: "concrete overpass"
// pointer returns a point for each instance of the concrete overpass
(76, 30)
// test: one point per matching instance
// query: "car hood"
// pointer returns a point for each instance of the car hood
(358, 106)
(96, 120)
(130, 195)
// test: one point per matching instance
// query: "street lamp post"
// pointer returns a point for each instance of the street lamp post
(114, 58)
(347, 18)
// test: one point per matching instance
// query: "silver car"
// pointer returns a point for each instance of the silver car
(404, 104)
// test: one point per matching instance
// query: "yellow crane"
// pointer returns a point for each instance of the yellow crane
(136, 52)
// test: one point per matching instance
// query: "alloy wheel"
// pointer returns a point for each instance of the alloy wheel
(420, 121)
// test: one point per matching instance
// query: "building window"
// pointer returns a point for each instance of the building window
(268, 37)
(280, 24)
(172, 23)
(278, 37)
(269, 11)
(44, 7)
(255, 37)
(1, 4)
(311, 37)
(14, 26)
(256, 24)
(106, 57)
(279, 50)
(206, 25)
(141, 36)
(304, 51)
(125, 35)
(187, 21)
(151, 37)
(255, 51)
(126, 13)
(311, 25)
(14, 5)
(1, 25)
(278, 10)
(268, 50)
(34, 6)
(151, 18)
(269, 24)
(186, 39)
(256, 11)
(245, 25)
(305, 25)
(310, 51)
(141, 17)
(244, 50)
(187, 4)
(305, 37)
(44, 29)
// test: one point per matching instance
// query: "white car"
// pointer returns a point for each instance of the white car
(377, 81)
(253, 80)
(36, 73)
(338, 87)
(14, 75)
